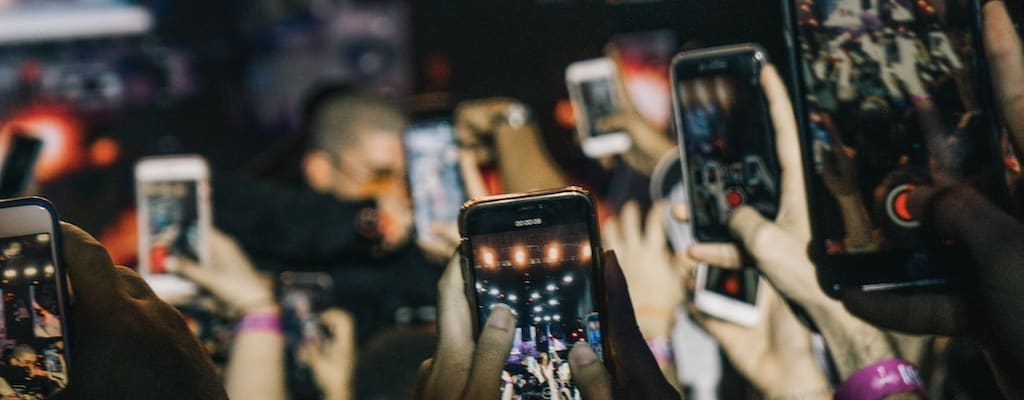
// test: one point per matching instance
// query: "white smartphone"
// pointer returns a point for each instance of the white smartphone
(36, 300)
(594, 91)
(730, 294)
(173, 197)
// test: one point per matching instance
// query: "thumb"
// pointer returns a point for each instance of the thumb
(761, 238)
(205, 277)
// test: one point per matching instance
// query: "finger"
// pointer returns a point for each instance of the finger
(492, 349)
(612, 234)
(471, 177)
(422, 377)
(636, 368)
(762, 239)
(615, 122)
(90, 269)
(729, 335)
(630, 217)
(681, 212)
(654, 228)
(342, 327)
(226, 253)
(725, 255)
(446, 231)
(924, 313)
(588, 372)
(455, 330)
(208, 278)
(793, 201)
(1006, 62)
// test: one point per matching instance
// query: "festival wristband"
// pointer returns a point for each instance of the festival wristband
(662, 350)
(259, 322)
(881, 379)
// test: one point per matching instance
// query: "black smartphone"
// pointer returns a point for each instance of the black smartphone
(877, 123)
(540, 254)
(435, 181)
(725, 135)
(35, 304)
(19, 164)
(304, 296)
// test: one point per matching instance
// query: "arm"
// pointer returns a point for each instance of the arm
(524, 160)
(256, 367)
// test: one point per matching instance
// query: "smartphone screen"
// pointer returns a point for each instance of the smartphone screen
(726, 138)
(304, 295)
(735, 284)
(31, 331)
(538, 257)
(600, 99)
(434, 178)
(19, 164)
(173, 222)
(898, 90)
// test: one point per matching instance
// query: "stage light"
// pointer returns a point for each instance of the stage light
(519, 256)
(553, 302)
(538, 309)
(554, 253)
(567, 278)
(494, 291)
(31, 271)
(43, 238)
(10, 273)
(488, 257)
(48, 270)
(547, 318)
(534, 296)
(557, 317)
(536, 319)
(585, 252)
(513, 297)
(551, 287)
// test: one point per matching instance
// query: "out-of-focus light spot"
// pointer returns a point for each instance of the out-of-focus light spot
(10, 273)
(494, 291)
(551, 287)
(104, 152)
(519, 256)
(513, 297)
(553, 302)
(538, 309)
(48, 270)
(488, 257)
(554, 253)
(547, 318)
(43, 238)
(31, 271)
(585, 252)
(567, 278)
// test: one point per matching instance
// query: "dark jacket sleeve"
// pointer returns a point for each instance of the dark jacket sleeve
(285, 223)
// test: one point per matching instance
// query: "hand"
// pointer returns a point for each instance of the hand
(657, 284)
(333, 359)
(123, 330)
(775, 355)
(779, 248)
(394, 217)
(838, 168)
(649, 143)
(231, 276)
(473, 126)
(473, 371)
(440, 244)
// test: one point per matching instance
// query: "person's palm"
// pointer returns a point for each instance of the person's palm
(231, 276)
(655, 283)
(775, 354)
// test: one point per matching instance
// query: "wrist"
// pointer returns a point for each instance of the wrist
(881, 379)
(820, 393)
(264, 322)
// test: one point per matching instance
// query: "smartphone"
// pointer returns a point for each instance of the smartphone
(19, 164)
(594, 92)
(35, 302)
(435, 180)
(540, 254)
(173, 198)
(304, 296)
(728, 294)
(937, 123)
(726, 139)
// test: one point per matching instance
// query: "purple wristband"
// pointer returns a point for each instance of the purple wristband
(662, 350)
(266, 322)
(881, 379)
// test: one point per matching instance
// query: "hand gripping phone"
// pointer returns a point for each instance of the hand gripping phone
(540, 254)
(435, 181)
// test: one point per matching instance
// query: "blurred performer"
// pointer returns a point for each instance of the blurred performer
(352, 217)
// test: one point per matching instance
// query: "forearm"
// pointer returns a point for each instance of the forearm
(854, 344)
(256, 367)
(647, 151)
(859, 231)
(524, 160)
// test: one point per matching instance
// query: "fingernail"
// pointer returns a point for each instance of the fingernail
(584, 356)
(501, 317)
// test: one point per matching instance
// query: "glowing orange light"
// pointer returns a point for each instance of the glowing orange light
(61, 136)
(554, 252)
(104, 152)
(488, 258)
(564, 114)
(519, 256)
(585, 251)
